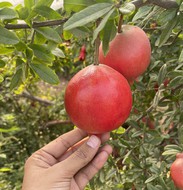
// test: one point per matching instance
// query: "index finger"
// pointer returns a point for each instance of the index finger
(61, 144)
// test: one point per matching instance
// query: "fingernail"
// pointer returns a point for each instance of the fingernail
(93, 141)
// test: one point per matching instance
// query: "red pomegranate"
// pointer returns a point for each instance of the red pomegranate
(176, 171)
(129, 52)
(98, 99)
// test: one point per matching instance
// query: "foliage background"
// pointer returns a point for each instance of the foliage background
(32, 111)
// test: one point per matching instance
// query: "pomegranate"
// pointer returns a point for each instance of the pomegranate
(129, 52)
(176, 171)
(98, 99)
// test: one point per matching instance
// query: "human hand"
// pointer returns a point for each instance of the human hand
(67, 163)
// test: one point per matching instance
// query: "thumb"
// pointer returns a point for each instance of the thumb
(81, 157)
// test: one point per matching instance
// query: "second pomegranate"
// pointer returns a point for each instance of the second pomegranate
(129, 52)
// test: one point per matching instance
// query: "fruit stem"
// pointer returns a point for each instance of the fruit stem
(97, 44)
(120, 23)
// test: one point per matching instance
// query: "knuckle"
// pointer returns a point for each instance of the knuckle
(39, 158)
(85, 176)
(65, 143)
(81, 154)
(28, 161)
(39, 155)
(95, 167)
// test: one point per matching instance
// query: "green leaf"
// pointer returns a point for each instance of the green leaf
(51, 45)
(166, 32)
(29, 4)
(127, 8)
(166, 16)
(39, 39)
(180, 134)
(179, 2)
(151, 187)
(102, 24)
(44, 3)
(109, 32)
(142, 12)
(5, 169)
(156, 140)
(156, 98)
(181, 57)
(134, 124)
(67, 35)
(170, 152)
(87, 15)
(49, 33)
(42, 52)
(5, 4)
(126, 156)
(176, 73)
(1, 78)
(6, 50)
(104, 1)
(7, 14)
(23, 12)
(76, 5)
(16, 80)
(29, 54)
(21, 46)
(173, 146)
(12, 129)
(162, 74)
(151, 178)
(176, 82)
(58, 52)
(162, 183)
(45, 73)
(8, 37)
(181, 7)
(80, 32)
(25, 69)
(2, 63)
(119, 131)
(137, 134)
(125, 143)
(47, 12)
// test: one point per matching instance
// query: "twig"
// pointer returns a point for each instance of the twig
(120, 23)
(57, 122)
(97, 44)
(36, 24)
(151, 29)
(37, 99)
(167, 4)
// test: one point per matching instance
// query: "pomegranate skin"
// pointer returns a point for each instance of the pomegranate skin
(176, 171)
(129, 52)
(98, 99)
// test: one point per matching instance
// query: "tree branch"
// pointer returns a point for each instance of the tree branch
(167, 4)
(37, 99)
(57, 122)
(36, 24)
